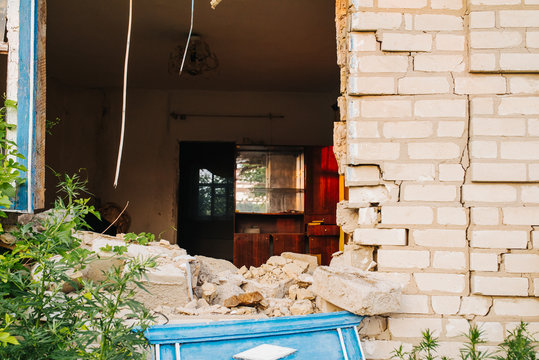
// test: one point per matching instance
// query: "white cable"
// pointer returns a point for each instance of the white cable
(188, 37)
(122, 132)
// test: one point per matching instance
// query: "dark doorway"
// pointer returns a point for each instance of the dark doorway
(206, 198)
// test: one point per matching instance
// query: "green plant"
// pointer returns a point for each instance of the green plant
(50, 322)
(519, 345)
(470, 351)
(426, 349)
(141, 239)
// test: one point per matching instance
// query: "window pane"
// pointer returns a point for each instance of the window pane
(204, 200)
(204, 176)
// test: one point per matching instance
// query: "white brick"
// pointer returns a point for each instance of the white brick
(441, 108)
(475, 305)
(450, 42)
(498, 172)
(410, 171)
(484, 149)
(482, 19)
(519, 18)
(404, 4)
(536, 287)
(493, 331)
(446, 305)
(535, 239)
(485, 216)
(489, 193)
(439, 238)
(446, 4)
(362, 42)
(407, 129)
(367, 216)
(362, 129)
(373, 151)
(498, 126)
(533, 172)
(533, 126)
(450, 128)
(447, 283)
(499, 286)
(519, 62)
(521, 263)
(376, 20)
(456, 327)
(369, 194)
(378, 63)
(380, 236)
(519, 106)
(414, 304)
(429, 62)
(382, 349)
(452, 216)
(407, 215)
(434, 150)
(532, 39)
(424, 85)
(386, 107)
(362, 3)
(451, 172)
(483, 261)
(404, 259)
(451, 260)
(433, 22)
(406, 42)
(482, 61)
(499, 239)
(422, 192)
(366, 85)
(495, 2)
(495, 39)
(412, 327)
(520, 150)
(480, 84)
(369, 174)
(403, 279)
(524, 85)
(530, 194)
(516, 307)
(482, 106)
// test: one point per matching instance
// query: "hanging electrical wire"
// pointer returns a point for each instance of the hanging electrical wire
(189, 36)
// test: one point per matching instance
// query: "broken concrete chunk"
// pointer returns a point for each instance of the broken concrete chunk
(325, 306)
(209, 291)
(304, 294)
(360, 292)
(243, 270)
(353, 255)
(210, 268)
(301, 307)
(246, 299)
(347, 218)
(310, 259)
(277, 289)
(276, 261)
(292, 270)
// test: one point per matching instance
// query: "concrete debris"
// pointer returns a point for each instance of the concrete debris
(301, 307)
(210, 268)
(354, 255)
(245, 299)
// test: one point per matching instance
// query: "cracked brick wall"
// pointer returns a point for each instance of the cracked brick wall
(439, 145)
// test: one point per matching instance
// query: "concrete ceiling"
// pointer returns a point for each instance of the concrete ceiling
(262, 45)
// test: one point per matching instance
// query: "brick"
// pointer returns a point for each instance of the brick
(498, 172)
(495, 39)
(404, 259)
(495, 2)
(406, 42)
(374, 21)
(519, 106)
(446, 305)
(499, 286)
(482, 61)
(424, 85)
(450, 260)
(405, 4)
(519, 18)
(485, 216)
(382, 349)
(535, 239)
(429, 192)
(532, 39)
(480, 84)
(475, 305)
(446, 4)
(441, 108)
(483, 149)
(367, 85)
(489, 193)
(536, 287)
(456, 327)
(431, 22)
(498, 126)
(362, 129)
(407, 129)
(493, 331)
(429, 62)
(499, 239)
(521, 263)
(450, 128)
(410, 171)
(524, 85)
(378, 63)
(380, 236)
(369, 174)
(519, 62)
(363, 42)
(386, 107)
(516, 307)
(412, 327)
(483, 261)
(367, 216)
(414, 304)
(530, 194)
(439, 238)
(362, 3)
(482, 19)
(434, 150)
(451, 216)
(450, 42)
(434, 282)
(482, 105)
(520, 150)
(407, 215)
(403, 279)
(369, 194)
(451, 172)
(372, 151)
(533, 127)
(533, 172)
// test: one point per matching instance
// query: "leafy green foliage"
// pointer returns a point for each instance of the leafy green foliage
(470, 351)
(45, 320)
(426, 349)
(519, 345)
(141, 239)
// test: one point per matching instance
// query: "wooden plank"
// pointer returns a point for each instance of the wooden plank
(325, 246)
(323, 230)
(288, 243)
(251, 249)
